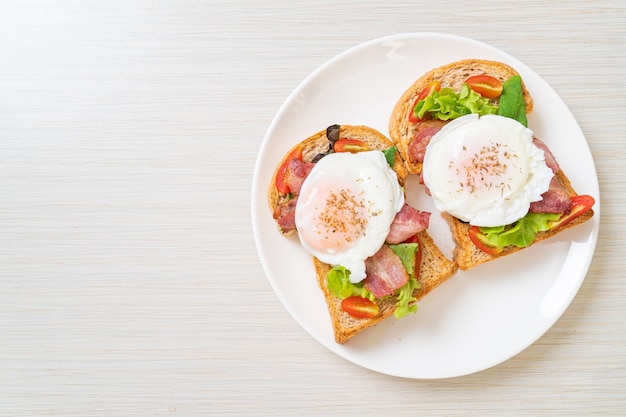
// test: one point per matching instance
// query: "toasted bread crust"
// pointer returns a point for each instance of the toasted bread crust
(467, 255)
(435, 268)
(452, 75)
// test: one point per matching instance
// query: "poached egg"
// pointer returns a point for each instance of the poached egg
(345, 209)
(485, 170)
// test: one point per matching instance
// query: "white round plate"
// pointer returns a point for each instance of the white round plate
(478, 318)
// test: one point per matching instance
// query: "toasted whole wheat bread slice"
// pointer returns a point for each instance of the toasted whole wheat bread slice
(402, 131)
(452, 75)
(435, 268)
(467, 255)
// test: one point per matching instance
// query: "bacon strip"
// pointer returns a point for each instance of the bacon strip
(555, 200)
(297, 171)
(285, 215)
(385, 272)
(407, 223)
(550, 159)
(425, 131)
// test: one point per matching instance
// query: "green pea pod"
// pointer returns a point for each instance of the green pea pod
(512, 102)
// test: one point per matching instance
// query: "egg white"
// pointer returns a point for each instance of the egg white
(345, 209)
(485, 170)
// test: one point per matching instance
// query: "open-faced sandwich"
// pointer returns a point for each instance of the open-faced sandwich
(463, 128)
(342, 191)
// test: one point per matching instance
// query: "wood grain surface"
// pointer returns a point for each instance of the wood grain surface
(129, 279)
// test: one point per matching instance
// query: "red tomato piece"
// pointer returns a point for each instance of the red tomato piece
(478, 239)
(359, 307)
(418, 261)
(434, 85)
(350, 145)
(580, 205)
(412, 239)
(281, 183)
(485, 85)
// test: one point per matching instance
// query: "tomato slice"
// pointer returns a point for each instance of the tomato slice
(478, 239)
(281, 182)
(580, 205)
(485, 85)
(350, 145)
(434, 85)
(412, 239)
(359, 307)
(418, 261)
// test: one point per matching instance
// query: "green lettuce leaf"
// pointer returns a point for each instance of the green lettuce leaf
(390, 155)
(406, 302)
(446, 104)
(338, 283)
(521, 233)
(512, 102)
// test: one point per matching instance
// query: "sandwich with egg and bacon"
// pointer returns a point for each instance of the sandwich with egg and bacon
(463, 128)
(342, 192)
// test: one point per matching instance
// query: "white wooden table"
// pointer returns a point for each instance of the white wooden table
(129, 279)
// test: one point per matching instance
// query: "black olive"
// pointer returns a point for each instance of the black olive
(332, 133)
(317, 157)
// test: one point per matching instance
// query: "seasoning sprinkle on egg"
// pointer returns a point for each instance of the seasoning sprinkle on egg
(343, 213)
